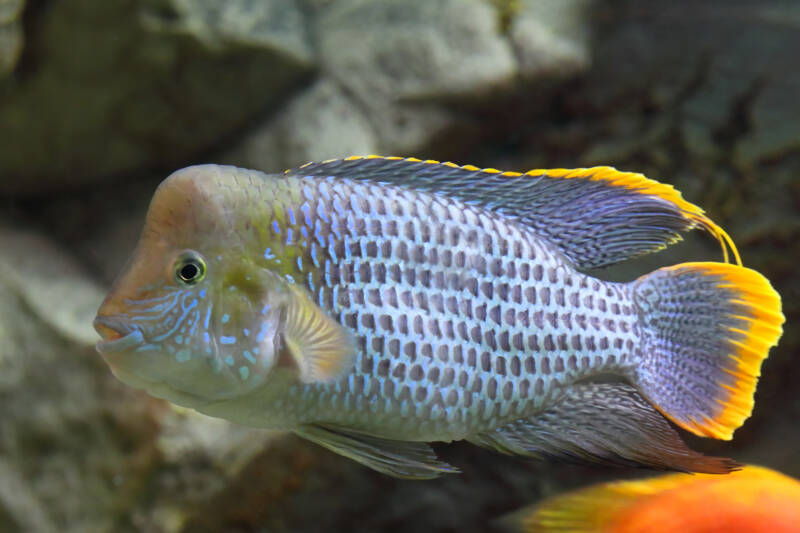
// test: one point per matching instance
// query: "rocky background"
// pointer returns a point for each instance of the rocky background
(100, 100)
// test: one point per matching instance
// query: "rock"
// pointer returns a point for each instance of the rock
(322, 123)
(728, 83)
(278, 24)
(551, 38)
(396, 75)
(399, 59)
(695, 95)
(226, 445)
(73, 444)
(11, 38)
(50, 284)
(141, 84)
(72, 220)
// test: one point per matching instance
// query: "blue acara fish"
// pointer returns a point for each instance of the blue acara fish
(373, 305)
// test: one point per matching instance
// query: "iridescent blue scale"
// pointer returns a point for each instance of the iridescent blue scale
(455, 333)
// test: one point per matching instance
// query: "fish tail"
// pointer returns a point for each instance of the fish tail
(706, 328)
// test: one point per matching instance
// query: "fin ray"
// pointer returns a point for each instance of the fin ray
(402, 459)
(321, 348)
(597, 216)
(606, 423)
(707, 328)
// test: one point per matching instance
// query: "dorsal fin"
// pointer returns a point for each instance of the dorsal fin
(597, 216)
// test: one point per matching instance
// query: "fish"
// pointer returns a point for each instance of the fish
(374, 305)
(752, 500)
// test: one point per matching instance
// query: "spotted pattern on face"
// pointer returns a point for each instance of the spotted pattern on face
(214, 340)
(464, 319)
(170, 321)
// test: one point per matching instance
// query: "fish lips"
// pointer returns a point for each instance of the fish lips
(117, 335)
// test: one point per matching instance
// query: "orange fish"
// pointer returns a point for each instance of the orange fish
(750, 500)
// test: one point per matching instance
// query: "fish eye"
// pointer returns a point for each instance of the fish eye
(190, 268)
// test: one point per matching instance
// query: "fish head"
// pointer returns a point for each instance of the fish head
(189, 318)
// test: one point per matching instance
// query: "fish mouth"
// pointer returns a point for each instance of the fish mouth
(117, 335)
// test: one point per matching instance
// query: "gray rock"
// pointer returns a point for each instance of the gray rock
(766, 49)
(11, 36)
(397, 58)
(321, 123)
(50, 284)
(551, 38)
(728, 83)
(63, 446)
(277, 24)
(228, 447)
(100, 226)
(116, 86)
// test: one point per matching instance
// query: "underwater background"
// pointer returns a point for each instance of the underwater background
(100, 100)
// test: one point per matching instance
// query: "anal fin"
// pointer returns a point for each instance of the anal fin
(606, 423)
(403, 459)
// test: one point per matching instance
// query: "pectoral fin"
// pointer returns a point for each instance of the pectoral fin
(319, 347)
(410, 460)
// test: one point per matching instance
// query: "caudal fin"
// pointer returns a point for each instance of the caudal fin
(706, 329)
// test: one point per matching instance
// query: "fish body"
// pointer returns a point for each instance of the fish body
(375, 304)
(752, 500)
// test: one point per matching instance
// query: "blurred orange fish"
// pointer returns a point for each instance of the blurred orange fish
(750, 500)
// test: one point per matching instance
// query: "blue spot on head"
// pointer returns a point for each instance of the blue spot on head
(206, 336)
(275, 227)
(227, 340)
(289, 278)
(183, 355)
(268, 254)
(203, 293)
(290, 212)
(229, 360)
(261, 332)
(178, 339)
(225, 318)
(266, 308)
(244, 372)
(249, 356)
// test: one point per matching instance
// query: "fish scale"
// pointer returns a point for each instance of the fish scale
(374, 304)
(465, 320)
